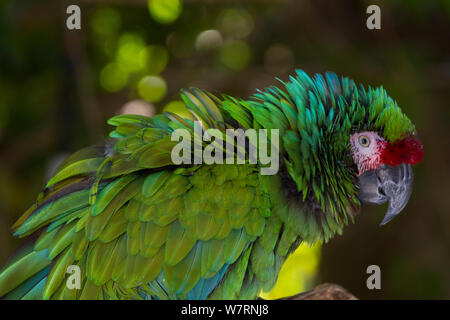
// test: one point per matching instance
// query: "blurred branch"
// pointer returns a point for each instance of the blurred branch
(80, 83)
(326, 291)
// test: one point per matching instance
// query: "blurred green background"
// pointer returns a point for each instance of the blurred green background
(58, 87)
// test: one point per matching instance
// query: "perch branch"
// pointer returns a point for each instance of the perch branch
(326, 291)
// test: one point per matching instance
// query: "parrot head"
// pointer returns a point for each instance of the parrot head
(343, 144)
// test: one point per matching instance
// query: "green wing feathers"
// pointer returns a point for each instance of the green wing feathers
(138, 227)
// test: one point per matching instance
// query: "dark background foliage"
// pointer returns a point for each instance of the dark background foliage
(53, 101)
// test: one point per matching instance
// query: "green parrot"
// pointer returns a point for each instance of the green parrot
(126, 221)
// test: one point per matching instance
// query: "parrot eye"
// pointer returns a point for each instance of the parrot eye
(364, 141)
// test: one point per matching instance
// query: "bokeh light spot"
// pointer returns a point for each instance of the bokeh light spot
(129, 47)
(208, 40)
(154, 58)
(297, 273)
(178, 107)
(236, 23)
(278, 58)
(113, 77)
(152, 88)
(235, 54)
(141, 107)
(106, 21)
(165, 11)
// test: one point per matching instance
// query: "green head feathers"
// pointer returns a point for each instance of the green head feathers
(316, 117)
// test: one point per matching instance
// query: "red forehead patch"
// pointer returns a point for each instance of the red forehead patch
(408, 150)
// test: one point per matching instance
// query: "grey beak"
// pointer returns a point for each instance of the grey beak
(392, 184)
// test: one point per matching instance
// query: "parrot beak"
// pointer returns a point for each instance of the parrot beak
(387, 184)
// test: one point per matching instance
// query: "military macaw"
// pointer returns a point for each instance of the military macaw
(139, 226)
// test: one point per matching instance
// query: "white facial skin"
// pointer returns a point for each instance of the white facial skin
(367, 147)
